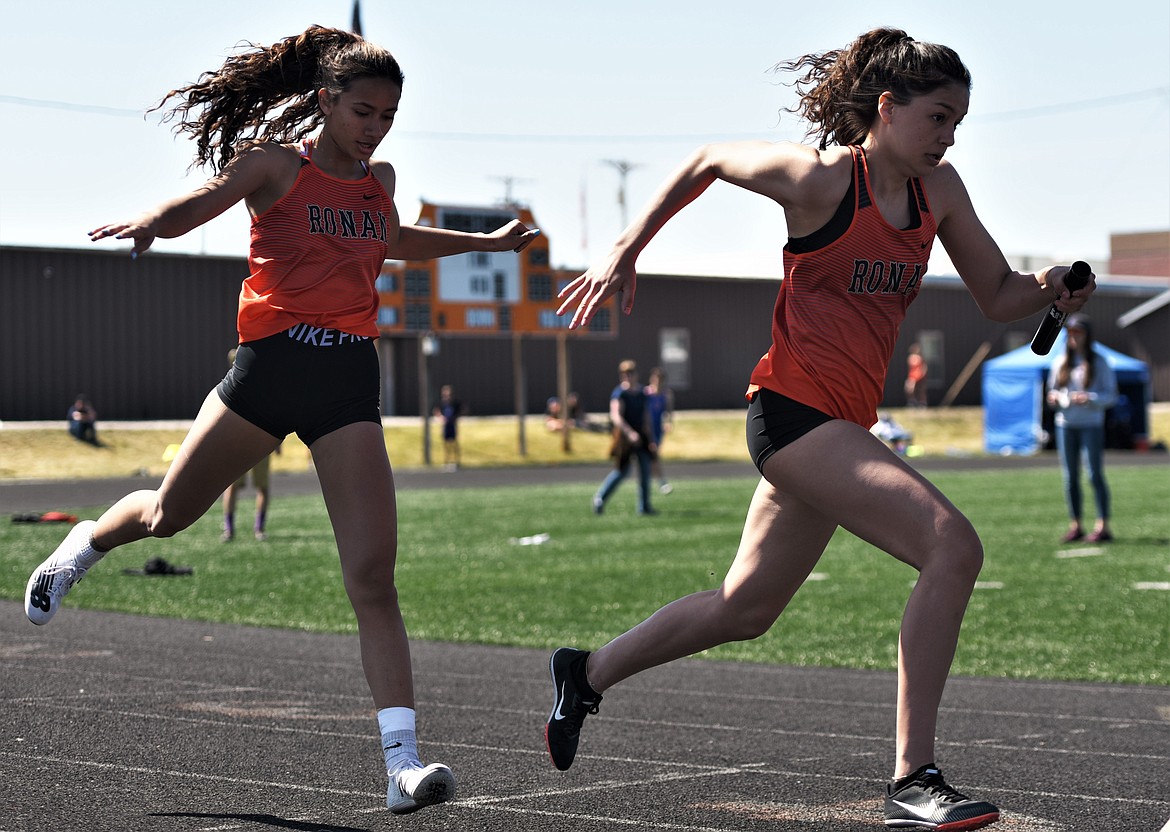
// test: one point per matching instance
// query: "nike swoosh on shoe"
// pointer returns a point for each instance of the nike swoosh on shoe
(922, 812)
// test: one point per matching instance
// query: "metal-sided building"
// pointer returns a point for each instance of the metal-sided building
(148, 338)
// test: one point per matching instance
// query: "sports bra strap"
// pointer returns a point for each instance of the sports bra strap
(307, 154)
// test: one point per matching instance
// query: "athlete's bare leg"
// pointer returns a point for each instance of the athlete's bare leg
(873, 493)
(358, 486)
(839, 474)
(220, 447)
(781, 543)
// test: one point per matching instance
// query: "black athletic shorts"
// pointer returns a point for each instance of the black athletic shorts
(307, 380)
(774, 421)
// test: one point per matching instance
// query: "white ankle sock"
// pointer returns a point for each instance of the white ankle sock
(89, 554)
(399, 742)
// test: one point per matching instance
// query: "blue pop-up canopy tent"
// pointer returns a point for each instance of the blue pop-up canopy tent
(1013, 395)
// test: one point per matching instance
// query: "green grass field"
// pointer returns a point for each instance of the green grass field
(487, 442)
(463, 576)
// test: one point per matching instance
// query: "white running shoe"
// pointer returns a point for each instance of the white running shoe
(415, 787)
(53, 578)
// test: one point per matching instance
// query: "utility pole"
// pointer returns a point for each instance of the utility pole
(623, 168)
(509, 181)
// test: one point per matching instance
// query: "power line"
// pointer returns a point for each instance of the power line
(69, 106)
(1070, 106)
(1162, 92)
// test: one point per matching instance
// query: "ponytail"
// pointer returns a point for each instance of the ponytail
(270, 93)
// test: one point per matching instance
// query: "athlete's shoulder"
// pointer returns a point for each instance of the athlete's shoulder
(817, 181)
(803, 164)
(384, 173)
(269, 155)
(271, 168)
(945, 189)
(945, 174)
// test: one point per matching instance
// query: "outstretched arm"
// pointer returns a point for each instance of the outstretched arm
(617, 273)
(765, 168)
(416, 242)
(1001, 293)
(245, 175)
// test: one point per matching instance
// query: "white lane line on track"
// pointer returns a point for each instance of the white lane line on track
(438, 741)
(497, 804)
(188, 775)
(640, 686)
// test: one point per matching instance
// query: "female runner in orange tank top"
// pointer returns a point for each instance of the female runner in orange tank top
(323, 223)
(885, 110)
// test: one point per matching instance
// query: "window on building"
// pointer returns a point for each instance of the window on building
(386, 283)
(602, 321)
(418, 316)
(418, 283)
(388, 316)
(540, 287)
(551, 320)
(674, 356)
(934, 351)
(480, 319)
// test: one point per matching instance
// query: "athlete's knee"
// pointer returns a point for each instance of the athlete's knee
(167, 521)
(958, 549)
(739, 620)
(369, 581)
(751, 626)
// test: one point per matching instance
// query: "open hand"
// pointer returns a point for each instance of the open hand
(592, 289)
(141, 231)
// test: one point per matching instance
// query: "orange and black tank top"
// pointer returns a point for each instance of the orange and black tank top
(844, 296)
(315, 254)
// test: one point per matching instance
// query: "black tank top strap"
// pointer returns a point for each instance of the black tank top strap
(920, 195)
(842, 218)
(863, 198)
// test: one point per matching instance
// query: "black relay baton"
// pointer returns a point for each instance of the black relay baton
(1045, 337)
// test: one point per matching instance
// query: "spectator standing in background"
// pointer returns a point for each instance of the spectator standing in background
(660, 402)
(916, 370)
(1081, 387)
(448, 410)
(631, 439)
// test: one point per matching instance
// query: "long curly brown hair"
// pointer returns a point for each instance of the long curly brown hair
(269, 93)
(840, 89)
(1070, 353)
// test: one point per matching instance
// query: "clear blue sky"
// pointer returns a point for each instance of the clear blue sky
(1068, 138)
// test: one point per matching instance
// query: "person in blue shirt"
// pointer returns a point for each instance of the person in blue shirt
(632, 439)
(660, 401)
(449, 410)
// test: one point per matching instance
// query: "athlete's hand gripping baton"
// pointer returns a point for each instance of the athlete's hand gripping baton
(1042, 341)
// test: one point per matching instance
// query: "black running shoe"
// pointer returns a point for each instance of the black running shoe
(925, 801)
(573, 700)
